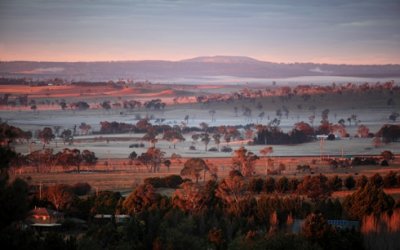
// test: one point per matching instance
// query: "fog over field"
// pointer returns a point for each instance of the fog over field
(370, 108)
(212, 124)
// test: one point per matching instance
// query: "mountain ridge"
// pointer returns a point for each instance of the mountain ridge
(204, 59)
(153, 70)
(223, 59)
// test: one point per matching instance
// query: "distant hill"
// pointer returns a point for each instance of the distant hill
(234, 66)
(224, 59)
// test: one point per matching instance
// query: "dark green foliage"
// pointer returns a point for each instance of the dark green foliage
(369, 199)
(315, 187)
(389, 133)
(335, 183)
(80, 105)
(9, 133)
(282, 186)
(13, 202)
(173, 181)
(88, 158)
(101, 237)
(234, 173)
(6, 156)
(376, 180)
(216, 238)
(316, 228)
(81, 208)
(361, 181)
(167, 163)
(13, 238)
(256, 185)
(273, 242)
(14, 195)
(81, 188)
(349, 182)
(331, 137)
(330, 209)
(133, 155)
(105, 202)
(390, 180)
(156, 182)
(182, 235)
(269, 185)
(170, 181)
(235, 213)
(387, 155)
(293, 183)
(384, 163)
(135, 232)
(46, 135)
(318, 231)
(274, 135)
(57, 241)
(266, 205)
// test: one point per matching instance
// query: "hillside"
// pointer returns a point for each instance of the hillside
(199, 67)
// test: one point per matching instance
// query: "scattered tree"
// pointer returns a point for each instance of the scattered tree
(244, 161)
(193, 167)
(46, 135)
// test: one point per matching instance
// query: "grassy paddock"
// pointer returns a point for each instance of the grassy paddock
(119, 175)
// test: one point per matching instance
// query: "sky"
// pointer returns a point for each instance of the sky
(320, 31)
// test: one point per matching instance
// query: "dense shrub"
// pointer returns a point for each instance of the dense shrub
(81, 188)
(389, 133)
(277, 137)
(256, 185)
(156, 182)
(390, 180)
(387, 155)
(331, 137)
(136, 145)
(370, 199)
(335, 183)
(226, 149)
(171, 181)
(349, 182)
(360, 161)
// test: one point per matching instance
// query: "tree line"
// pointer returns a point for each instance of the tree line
(232, 213)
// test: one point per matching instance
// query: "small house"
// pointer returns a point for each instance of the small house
(45, 217)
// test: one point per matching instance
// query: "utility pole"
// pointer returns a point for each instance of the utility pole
(321, 147)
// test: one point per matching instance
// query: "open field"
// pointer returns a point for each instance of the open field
(370, 108)
(119, 175)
